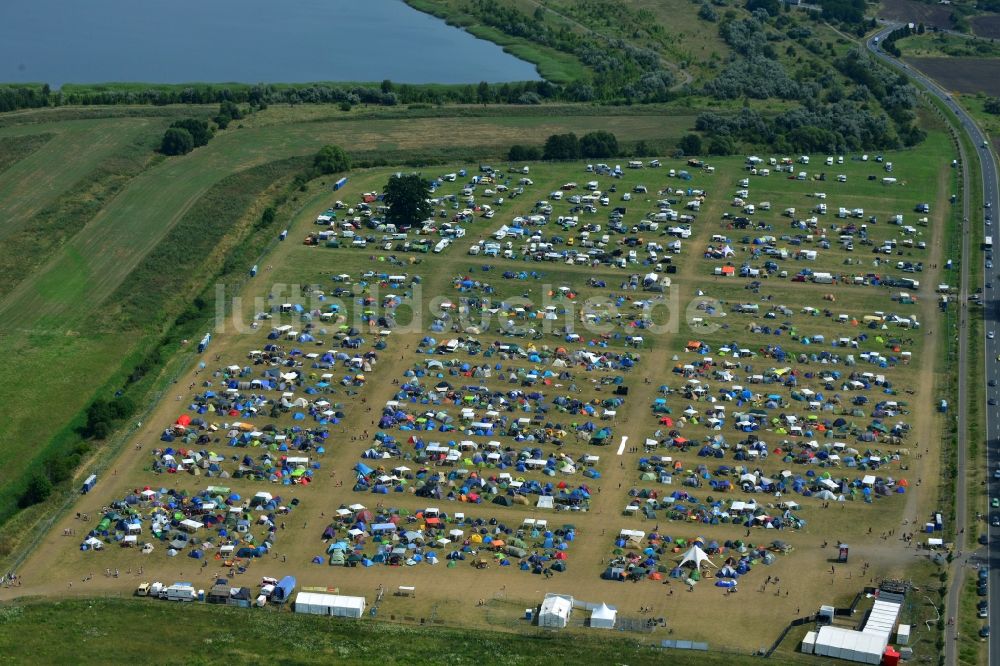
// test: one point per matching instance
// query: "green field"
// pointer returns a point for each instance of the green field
(83, 631)
(931, 45)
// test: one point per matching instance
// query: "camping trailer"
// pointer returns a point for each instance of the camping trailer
(179, 592)
(89, 484)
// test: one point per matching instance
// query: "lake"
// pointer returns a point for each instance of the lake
(247, 41)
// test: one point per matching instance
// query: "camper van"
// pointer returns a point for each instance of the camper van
(179, 592)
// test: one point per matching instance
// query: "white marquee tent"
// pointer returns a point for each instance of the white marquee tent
(555, 612)
(696, 556)
(315, 603)
(603, 617)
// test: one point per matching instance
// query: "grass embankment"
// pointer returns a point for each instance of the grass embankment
(29, 245)
(15, 148)
(87, 631)
(975, 105)
(970, 647)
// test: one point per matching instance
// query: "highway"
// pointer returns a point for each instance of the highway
(991, 198)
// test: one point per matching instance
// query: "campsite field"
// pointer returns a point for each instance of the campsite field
(112, 208)
(665, 363)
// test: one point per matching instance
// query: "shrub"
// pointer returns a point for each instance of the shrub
(177, 141)
(331, 159)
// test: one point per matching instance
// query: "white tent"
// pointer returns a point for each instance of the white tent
(695, 555)
(850, 645)
(603, 617)
(555, 612)
(315, 603)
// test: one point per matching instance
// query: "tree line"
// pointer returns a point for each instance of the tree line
(568, 147)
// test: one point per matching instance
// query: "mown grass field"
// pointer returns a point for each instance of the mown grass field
(75, 149)
(85, 631)
(16, 148)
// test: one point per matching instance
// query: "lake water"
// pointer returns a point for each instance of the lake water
(248, 41)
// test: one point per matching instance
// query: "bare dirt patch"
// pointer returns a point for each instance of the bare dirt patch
(965, 75)
(917, 12)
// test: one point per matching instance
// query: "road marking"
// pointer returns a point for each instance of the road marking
(621, 447)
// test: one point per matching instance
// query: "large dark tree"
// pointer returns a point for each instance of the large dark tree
(177, 141)
(38, 490)
(331, 159)
(200, 132)
(407, 198)
(690, 144)
(599, 144)
(562, 147)
(521, 153)
(228, 112)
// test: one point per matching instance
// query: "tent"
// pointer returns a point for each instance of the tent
(314, 603)
(603, 617)
(555, 612)
(696, 557)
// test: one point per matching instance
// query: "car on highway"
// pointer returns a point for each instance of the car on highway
(992, 402)
(995, 502)
(992, 382)
(996, 474)
(995, 522)
(989, 264)
(991, 335)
